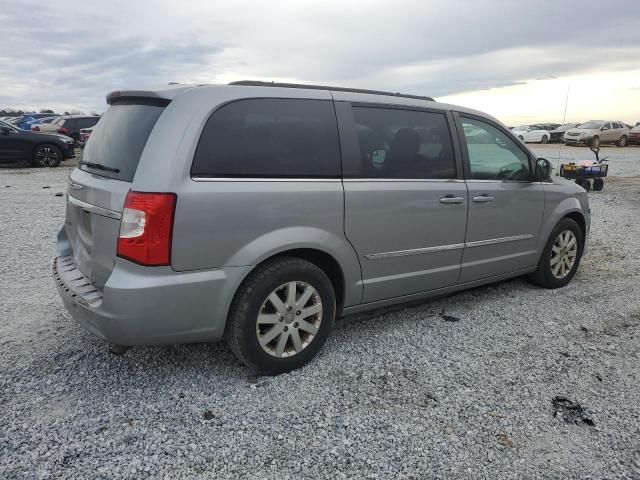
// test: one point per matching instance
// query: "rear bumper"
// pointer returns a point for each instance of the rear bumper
(149, 305)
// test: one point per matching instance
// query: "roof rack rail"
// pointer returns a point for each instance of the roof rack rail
(258, 83)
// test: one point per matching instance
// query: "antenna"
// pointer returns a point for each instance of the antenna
(566, 103)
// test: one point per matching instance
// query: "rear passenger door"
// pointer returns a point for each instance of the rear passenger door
(505, 206)
(405, 199)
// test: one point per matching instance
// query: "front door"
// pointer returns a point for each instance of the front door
(505, 206)
(405, 199)
(12, 145)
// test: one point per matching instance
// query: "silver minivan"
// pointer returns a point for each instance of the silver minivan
(260, 212)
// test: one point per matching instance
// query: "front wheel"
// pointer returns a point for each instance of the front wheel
(623, 141)
(561, 255)
(545, 139)
(47, 155)
(595, 142)
(281, 316)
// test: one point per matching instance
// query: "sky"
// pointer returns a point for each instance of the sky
(514, 59)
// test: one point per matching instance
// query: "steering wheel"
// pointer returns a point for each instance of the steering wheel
(510, 172)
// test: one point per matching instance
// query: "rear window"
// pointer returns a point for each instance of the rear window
(271, 138)
(120, 136)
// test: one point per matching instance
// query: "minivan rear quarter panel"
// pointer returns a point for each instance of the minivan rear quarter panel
(229, 222)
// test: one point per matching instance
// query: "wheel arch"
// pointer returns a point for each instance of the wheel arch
(325, 261)
(578, 217)
(569, 207)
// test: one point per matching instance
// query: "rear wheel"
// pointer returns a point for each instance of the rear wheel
(281, 316)
(47, 155)
(561, 255)
(545, 139)
(584, 183)
(598, 184)
(623, 141)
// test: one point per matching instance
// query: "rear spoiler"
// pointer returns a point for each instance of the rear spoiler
(163, 96)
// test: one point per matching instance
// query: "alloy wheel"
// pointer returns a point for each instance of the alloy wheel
(289, 319)
(47, 156)
(564, 253)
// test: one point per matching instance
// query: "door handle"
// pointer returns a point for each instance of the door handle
(483, 199)
(451, 199)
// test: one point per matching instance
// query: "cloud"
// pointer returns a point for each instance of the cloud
(70, 55)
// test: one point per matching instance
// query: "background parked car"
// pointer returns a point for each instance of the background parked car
(23, 121)
(531, 133)
(595, 132)
(70, 125)
(42, 150)
(85, 133)
(546, 126)
(634, 135)
(557, 133)
(40, 121)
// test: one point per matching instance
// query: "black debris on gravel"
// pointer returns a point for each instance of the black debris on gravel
(208, 415)
(570, 411)
(449, 318)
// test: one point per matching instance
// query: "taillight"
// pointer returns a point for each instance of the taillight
(35, 128)
(146, 228)
(63, 130)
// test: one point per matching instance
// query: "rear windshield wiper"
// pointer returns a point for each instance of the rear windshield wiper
(99, 166)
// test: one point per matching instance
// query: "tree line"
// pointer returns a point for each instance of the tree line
(10, 112)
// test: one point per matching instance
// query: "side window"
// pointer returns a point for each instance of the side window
(606, 126)
(396, 143)
(493, 155)
(270, 138)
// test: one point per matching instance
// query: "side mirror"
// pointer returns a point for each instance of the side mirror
(5, 130)
(543, 169)
(604, 128)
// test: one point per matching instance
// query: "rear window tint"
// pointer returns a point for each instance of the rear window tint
(270, 138)
(120, 136)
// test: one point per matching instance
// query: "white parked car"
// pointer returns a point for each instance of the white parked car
(531, 134)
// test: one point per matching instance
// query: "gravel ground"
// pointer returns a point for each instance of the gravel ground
(397, 393)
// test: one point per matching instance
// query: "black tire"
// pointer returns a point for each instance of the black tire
(545, 139)
(543, 276)
(622, 142)
(46, 155)
(240, 331)
(595, 142)
(598, 184)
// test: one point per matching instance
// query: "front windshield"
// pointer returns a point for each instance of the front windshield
(591, 125)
